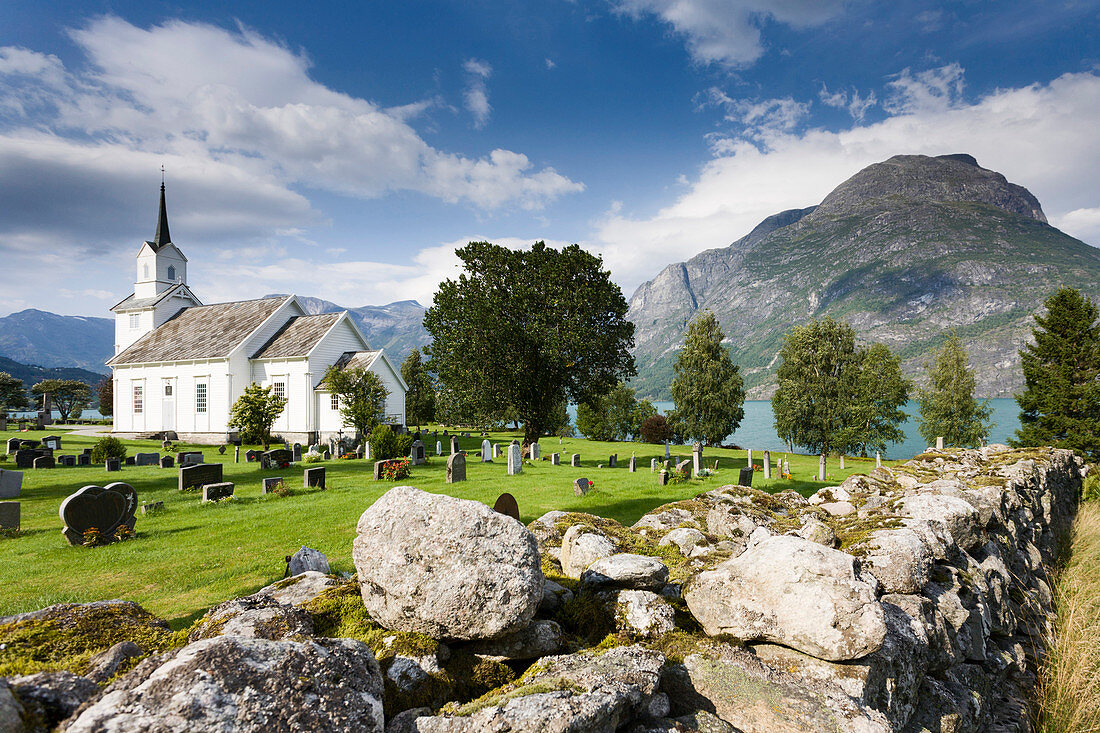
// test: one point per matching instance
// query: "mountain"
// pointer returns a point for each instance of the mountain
(37, 337)
(398, 327)
(32, 374)
(904, 251)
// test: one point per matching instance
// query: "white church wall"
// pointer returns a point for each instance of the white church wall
(180, 410)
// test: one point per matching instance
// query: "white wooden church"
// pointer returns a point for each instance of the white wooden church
(180, 365)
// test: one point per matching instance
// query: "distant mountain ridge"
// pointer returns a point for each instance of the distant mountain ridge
(38, 337)
(904, 251)
(32, 374)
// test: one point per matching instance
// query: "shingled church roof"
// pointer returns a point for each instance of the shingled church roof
(298, 336)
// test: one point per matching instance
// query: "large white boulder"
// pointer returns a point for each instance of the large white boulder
(794, 592)
(445, 567)
(581, 546)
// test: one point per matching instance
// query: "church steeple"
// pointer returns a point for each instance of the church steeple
(162, 237)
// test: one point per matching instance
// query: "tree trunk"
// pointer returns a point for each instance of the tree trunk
(821, 468)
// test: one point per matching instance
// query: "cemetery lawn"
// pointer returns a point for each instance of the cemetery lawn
(190, 556)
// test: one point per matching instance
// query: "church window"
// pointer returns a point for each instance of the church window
(139, 402)
(171, 273)
(135, 320)
(145, 271)
(200, 397)
(336, 402)
(279, 389)
(167, 390)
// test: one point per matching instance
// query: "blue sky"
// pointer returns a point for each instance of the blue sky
(344, 150)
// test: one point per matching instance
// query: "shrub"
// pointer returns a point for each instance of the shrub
(107, 448)
(404, 445)
(655, 429)
(383, 443)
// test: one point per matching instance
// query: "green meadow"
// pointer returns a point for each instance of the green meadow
(190, 556)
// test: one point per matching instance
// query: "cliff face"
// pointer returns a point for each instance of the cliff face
(904, 251)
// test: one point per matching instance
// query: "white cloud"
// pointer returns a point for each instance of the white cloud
(933, 89)
(1041, 136)
(856, 104)
(550, 63)
(760, 117)
(727, 32)
(477, 92)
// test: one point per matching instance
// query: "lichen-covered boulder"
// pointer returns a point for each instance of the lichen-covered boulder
(539, 638)
(794, 592)
(581, 546)
(233, 684)
(815, 530)
(626, 570)
(52, 696)
(11, 712)
(642, 614)
(253, 617)
(957, 515)
(298, 590)
(106, 664)
(899, 559)
(690, 542)
(445, 567)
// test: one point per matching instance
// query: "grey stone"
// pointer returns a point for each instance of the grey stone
(11, 483)
(147, 459)
(51, 696)
(538, 639)
(307, 560)
(815, 530)
(536, 451)
(486, 451)
(642, 614)
(253, 617)
(581, 486)
(230, 683)
(300, 589)
(582, 546)
(456, 468)
(626, 570)
(690, 542)
(449, 568)
(104, 665)
(515, 459)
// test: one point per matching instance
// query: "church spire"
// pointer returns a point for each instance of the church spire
(162, 237)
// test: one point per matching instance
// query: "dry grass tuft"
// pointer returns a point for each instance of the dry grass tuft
(1069, 691)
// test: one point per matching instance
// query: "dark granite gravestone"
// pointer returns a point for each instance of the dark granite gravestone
(314, 477)
(130, 461)
(147, 459)
(31, 445)
(555, 459)
(611, 461)
(66, 461)
(3, 422)
(744, 478)
(196, 476)
(113, 464)
(684, 467)
(86, 452)
(274, 459)
(84, 460)
(379, 466)
(24, 458)
(251, 456)
(456, 468)
(221, 450)
(167, 462)
(153, 506)
(418, 454)
(9, 515)
(236, 454)
(53, 442)
(44, 462)
(171, 435)
(576, 460)
(497, 450)
(506, 504)
(454, 444)
(13, 445)
(269, 484)
(214, 492)
(581, 486)
(296, 453)
(104, 507)
(11, 483)
(188, 458)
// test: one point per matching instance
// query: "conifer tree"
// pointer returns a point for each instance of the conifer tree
(1060, 404)
(420, 397)
(948, 407)
(708, 391)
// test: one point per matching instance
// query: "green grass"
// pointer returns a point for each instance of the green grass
(190, 557)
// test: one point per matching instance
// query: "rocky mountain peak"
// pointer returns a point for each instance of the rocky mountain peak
(951, 178)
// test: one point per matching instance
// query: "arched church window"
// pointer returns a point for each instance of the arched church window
(145, 271)
(171, 273)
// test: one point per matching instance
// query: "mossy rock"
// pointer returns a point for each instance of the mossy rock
(68, 635)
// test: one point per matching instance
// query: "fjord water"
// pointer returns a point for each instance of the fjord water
(757, 430)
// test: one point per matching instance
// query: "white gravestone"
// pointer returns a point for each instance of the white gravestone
(486, 451)
(515, 459)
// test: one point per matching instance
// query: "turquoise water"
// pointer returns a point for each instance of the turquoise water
(757, 428)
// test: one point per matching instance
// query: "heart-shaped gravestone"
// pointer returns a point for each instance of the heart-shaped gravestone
(105, 508)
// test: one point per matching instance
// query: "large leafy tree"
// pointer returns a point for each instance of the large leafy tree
(522, 329)
(362, 397)
(420, 397)
(613, 416)
(13, 396)
(254, 412)
(948, 407)
(1060, 404)
(68, 396)
(882, 392)
(707, 390)
(819, 383)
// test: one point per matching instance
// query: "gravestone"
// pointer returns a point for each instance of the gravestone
(667, 456)
(662, 478)
(171, 435)
(24, 458)
(786, 467)
(129, 461)
(842, 462)
(147, 459)
(277, 458)
(251, 456)
(684, 467)
(296, 452)
(878, 460)
(456, 468)
(112, 464)
(486, 451)
(633, 465)
(3, 422)
(86, 452)
(515, 459)
(44, 462)
(697, 457)
(53, 442)
(195, 476)
(236, 454)
(151, 507)
(314, 478)
(767, 465)
(66, 461)
(286, 445)
(13, 445)
(167, 462)
(612, 460)
(189, 458)
(575, 461)
(270, 483)
(379, 466)
(507, 505)
(555, 459)
(214, 492)
(325, 454)
(744, 478)
(9, 515)
(496, 450)
(939, 443)
(221, 450)
(438, 448)
(581, 486)
(748, 457)
(166, 445)
(11, 483)
(367, 451)
(104, 507)
(83, 460)
(454, 444)
(417, 454)
(536, 451)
